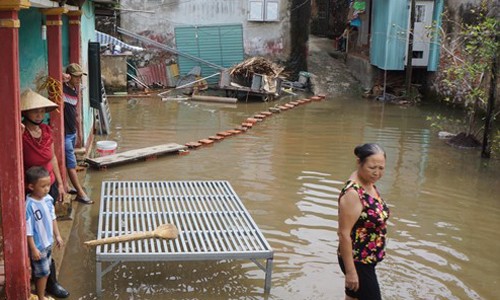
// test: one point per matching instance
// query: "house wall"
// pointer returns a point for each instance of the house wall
(114, 72)
(32, 49)
(33, 62)
(363, 37)
(389, 29)
(321, 15)
(458, 12)
(363, 71)
(271, 39)
(87, 35)
(461, 9)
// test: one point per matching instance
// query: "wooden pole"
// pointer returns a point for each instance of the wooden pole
(488, 122)
(54, 48)
(15, 249)
(213, 99)
(74, 57)
(409, 55)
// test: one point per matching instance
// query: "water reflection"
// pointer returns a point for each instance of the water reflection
(288, 171)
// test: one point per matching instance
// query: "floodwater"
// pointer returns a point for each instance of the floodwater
(288, 171)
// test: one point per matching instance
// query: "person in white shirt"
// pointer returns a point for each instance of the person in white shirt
(41, 226)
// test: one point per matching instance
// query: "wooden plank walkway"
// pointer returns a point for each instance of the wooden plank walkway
(133, 155)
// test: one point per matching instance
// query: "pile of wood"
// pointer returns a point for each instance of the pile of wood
(256, 65)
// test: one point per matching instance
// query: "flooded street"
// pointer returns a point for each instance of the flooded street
(288, 171)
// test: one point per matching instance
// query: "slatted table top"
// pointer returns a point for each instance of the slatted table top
(212, 221)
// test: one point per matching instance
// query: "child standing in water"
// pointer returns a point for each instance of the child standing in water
(41, 226)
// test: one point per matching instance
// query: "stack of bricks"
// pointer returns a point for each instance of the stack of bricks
(249, 123)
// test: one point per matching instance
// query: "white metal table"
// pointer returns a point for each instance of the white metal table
(212, 221)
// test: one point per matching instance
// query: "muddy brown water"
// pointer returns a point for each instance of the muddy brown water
(288, 171)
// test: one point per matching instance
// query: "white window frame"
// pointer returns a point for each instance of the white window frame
(263, 10)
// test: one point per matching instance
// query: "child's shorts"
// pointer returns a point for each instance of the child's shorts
(41, 268)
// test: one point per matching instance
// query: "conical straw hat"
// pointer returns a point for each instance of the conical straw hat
(31, 100)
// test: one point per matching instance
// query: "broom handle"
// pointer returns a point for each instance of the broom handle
(122, 238)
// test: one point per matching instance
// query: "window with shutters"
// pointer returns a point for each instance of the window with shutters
(263, 10)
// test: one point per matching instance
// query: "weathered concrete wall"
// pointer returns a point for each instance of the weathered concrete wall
(32, 49)
(363, 71)
(363, 42)
(336, 14)
(458, 12)
(269, 39)
(114, 72)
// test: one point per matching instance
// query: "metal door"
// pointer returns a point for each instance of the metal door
(421, 38)
(221, 45)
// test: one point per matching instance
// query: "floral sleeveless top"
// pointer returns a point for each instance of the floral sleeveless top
(368, 234)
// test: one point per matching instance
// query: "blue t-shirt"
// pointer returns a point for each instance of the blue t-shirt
(40, 215)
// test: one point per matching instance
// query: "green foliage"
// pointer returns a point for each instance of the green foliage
(444, 123)
(466, 62)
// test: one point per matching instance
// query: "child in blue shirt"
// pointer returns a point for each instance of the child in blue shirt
(41, 226)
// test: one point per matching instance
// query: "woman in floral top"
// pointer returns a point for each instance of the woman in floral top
(362, 229)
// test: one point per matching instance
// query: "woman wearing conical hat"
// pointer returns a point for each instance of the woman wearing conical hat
(38, 150)
(38, 145)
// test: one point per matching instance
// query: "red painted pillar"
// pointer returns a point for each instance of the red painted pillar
(12, 199)
(74, 36)
(54, 48)
(74, 57)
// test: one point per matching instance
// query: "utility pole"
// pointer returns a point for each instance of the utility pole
(409, 55)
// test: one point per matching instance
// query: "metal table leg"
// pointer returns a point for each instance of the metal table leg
(269, 270)
(98, 283)
(100, 273)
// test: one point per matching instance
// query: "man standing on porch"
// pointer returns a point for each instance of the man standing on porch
(71, 119)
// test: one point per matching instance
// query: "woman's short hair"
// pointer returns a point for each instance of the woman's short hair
(366, 150)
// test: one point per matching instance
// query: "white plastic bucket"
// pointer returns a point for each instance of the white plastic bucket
(106, 147)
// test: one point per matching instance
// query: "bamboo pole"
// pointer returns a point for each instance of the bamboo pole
(213, 99)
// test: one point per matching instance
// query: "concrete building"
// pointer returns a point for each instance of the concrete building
(379, 34)
(379, 37)
(264, 23)
(222, 32)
